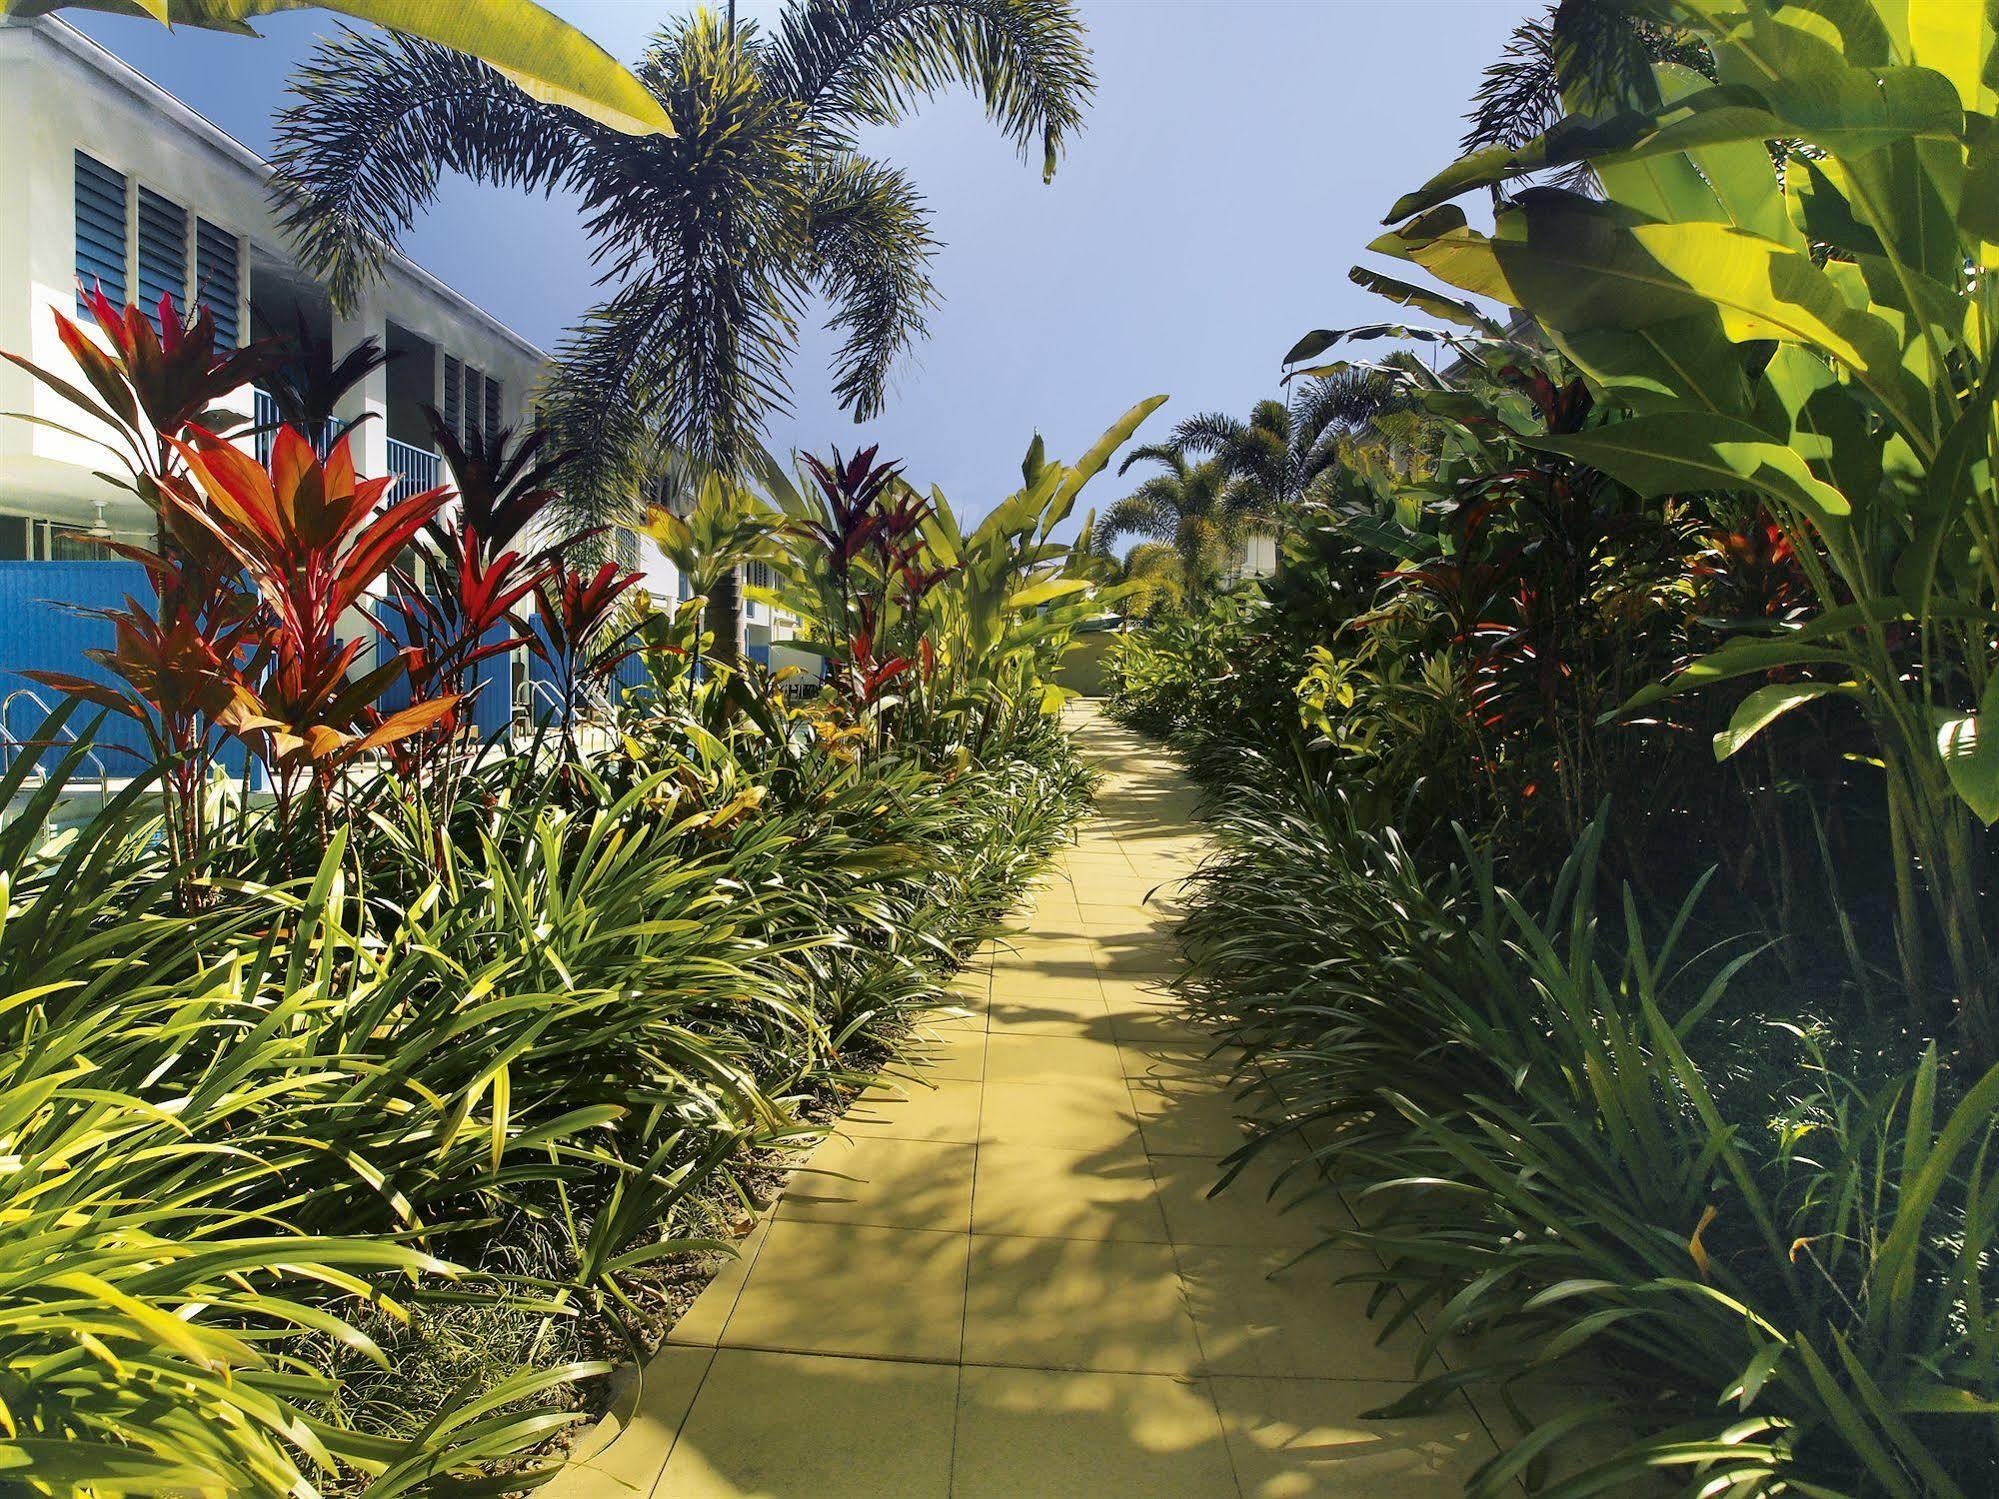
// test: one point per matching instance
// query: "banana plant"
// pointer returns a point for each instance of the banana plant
(541, 53)
(1017, 597)
(726, 528)
(1819, 335)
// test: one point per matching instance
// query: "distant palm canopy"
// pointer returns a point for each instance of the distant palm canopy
(1224, 479)
(712, 242)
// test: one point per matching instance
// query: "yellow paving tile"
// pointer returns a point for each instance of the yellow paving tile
(948, 1055)
(1032, 1059)
(1259, 1313)
(1246, 1211)
(701, 1324)
(1081, 1015)
(1189, 1056)
(1032, 1190)
(1200, 1118)
(1302, 1439)
(1137, 1023)
(1074, 1113)
(854, 1289)
(917, 1111)
(624, 1452)
(1033, 969)
(779, 1426)
(1052, 1435)
(884, 1181)
(1078, 1304)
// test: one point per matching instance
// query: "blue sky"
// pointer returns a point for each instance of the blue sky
(1236, 162)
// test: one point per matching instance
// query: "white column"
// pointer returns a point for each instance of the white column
(368, 442)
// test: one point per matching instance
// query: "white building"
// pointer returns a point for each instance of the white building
(1259, 556)
(109, 179)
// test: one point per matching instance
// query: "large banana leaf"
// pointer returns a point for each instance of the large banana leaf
(542, 53)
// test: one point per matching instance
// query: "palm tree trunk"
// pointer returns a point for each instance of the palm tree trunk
(725, 618)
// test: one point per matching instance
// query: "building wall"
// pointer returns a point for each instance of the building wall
(60, 94)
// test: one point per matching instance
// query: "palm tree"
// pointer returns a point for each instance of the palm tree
(1286, 448)
(1196, 509)
(711, 241)
(1591, 49)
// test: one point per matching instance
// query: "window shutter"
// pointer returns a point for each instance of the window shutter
(454, 395)
(100, 230)
(492, 405)
(475, 406)
(162, 252)
(218, 280)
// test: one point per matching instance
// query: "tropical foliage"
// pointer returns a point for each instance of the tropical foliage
(358, 1129)
(1606, 872)
(542, 53)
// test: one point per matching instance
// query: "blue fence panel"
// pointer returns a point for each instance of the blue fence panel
(40, 628)
(491, 709)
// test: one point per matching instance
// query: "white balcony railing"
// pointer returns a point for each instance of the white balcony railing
(416, 469)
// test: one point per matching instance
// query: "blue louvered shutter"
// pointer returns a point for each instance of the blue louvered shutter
(218, 278)
(162, 252)
(492, 404)
(100, 229)
(454, 395)
(475, 406)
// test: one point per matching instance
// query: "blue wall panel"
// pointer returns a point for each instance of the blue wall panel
(41, 628)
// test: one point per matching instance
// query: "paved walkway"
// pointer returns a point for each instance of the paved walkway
(1006, 1280)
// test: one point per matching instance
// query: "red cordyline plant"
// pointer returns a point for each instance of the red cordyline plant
(871, 514)
(180, 671)
(479, 569)
(310, 536)
(177, 664)
(866, 676)
(578, 638)
(852, 489)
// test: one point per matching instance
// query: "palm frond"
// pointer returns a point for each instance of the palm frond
(1168, 453)
(379, 118)
(870, 61)
(1207, 432)
(871, 249)
(1137, 514)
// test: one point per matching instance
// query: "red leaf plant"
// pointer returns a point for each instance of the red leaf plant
(181, 671)
(479, 569)
(313, 543)
(867, 676)
(577, 638)
(852, 488)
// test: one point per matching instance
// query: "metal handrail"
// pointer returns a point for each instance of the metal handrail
(593, 706)
(13, 746)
